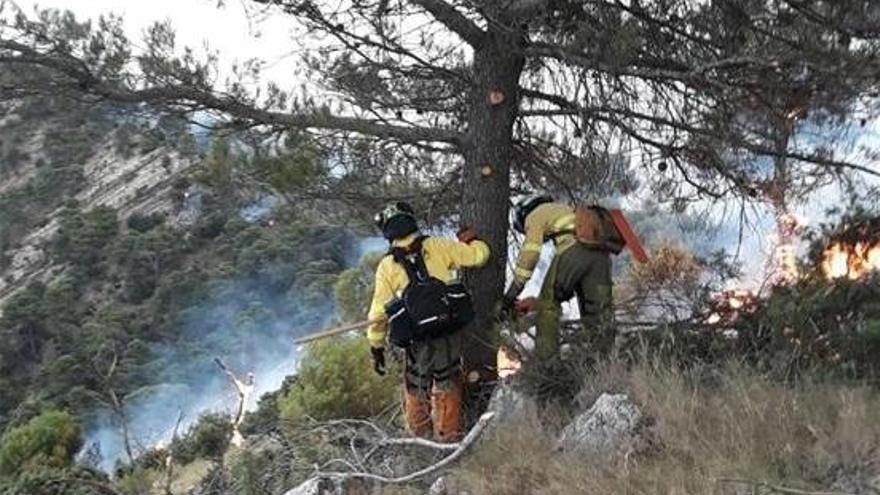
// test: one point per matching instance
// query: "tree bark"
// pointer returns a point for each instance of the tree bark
(497, 65)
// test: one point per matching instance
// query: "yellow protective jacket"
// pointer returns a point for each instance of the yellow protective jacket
(442, 258)
(549, 221)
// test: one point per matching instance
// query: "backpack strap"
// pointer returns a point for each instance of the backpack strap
(412, 259)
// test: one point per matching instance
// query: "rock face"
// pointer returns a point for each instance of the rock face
(609, 426)
(137, 184)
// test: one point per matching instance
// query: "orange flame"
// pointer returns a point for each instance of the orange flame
(853, 262)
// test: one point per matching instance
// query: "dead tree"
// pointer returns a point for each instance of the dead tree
(110, 398)
(244, 388)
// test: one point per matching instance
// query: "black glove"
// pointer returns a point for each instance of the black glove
(378, 359)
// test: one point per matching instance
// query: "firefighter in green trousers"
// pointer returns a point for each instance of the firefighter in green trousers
(577, 269)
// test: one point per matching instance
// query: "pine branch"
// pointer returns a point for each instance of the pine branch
(192, 97)
(454, 20)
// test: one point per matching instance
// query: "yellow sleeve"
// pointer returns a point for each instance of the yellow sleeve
(529, 253)
(461, 255)
(382, 294)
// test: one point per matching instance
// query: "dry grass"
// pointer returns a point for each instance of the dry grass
(732, 423)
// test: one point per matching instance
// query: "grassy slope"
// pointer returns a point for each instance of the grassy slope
(730, 424)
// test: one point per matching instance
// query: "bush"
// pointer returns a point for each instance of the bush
(353, 288)
(336, 380)
(48, 440)
(144, 223)
(83, 237)
(265, 418)
(208, 438)
(76, 480)
(831, 327)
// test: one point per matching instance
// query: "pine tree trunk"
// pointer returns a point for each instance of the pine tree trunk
(498, 64)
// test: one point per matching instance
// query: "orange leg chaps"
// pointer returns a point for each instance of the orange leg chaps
(447, 413)
(417, 409)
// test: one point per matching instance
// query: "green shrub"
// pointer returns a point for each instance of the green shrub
(76, 480)
(249, 473)
(144, 223)
(265, 418)
(826, 326)
(48, 440)
(208, 438)
(336, 380)
(83, 237)
(354, 287)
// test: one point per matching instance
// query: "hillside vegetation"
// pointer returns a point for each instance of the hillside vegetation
(137, 299)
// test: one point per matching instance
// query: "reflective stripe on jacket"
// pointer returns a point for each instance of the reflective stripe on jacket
(442, 257)
(549, 221)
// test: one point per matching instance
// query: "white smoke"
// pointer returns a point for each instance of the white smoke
(195, 386)
(259, 210)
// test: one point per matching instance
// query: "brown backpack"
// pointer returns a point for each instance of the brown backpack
(608, 230)
(595, 227)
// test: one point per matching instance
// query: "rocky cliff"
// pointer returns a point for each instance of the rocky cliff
(138, 183)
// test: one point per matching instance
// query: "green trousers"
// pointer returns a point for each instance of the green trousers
(433, 363)
(586, 273)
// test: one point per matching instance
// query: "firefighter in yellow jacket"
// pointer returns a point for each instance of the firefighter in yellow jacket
(576, 270)
(432, 368)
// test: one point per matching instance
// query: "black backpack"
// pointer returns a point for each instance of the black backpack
(428, 308)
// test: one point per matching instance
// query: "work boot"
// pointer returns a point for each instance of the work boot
(417, 409)
(447, 413)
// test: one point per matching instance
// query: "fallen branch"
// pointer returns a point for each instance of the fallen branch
(419, 442)
(349, 423)
(776, 488)
(458, 449)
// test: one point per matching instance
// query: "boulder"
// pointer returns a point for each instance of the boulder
(510, 404)
(317, 486)
(439, 487)
(609, 426)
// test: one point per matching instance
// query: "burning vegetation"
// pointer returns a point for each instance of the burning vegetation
(827, 318)
(852, 261)
(849, 250)
(818, 312)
